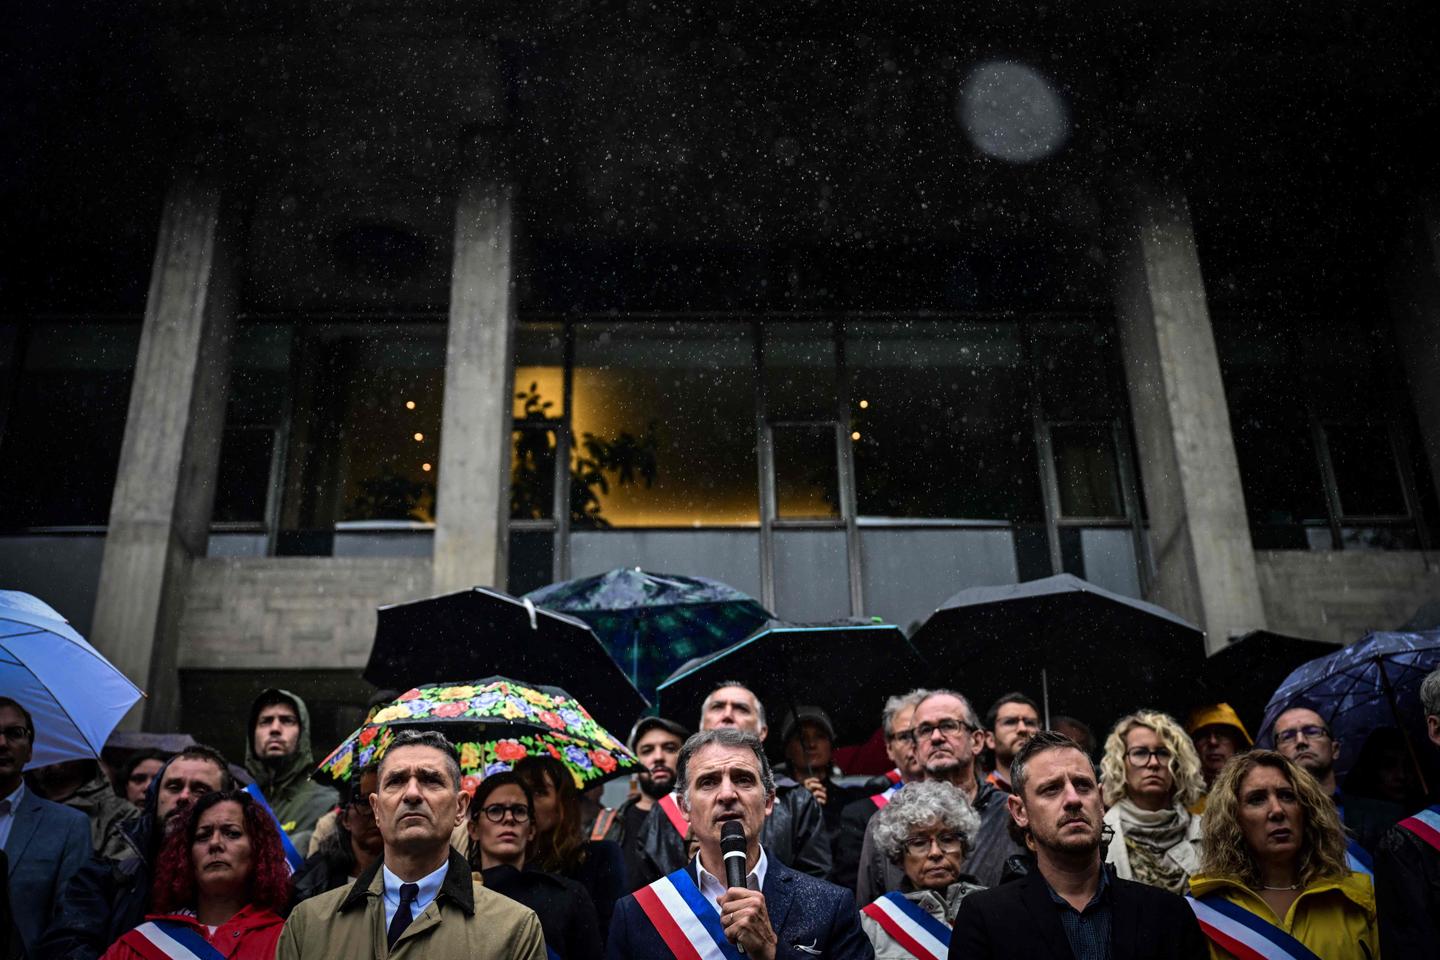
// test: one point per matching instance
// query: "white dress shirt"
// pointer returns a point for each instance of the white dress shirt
(713, 888)
(8, 820)
(429, 889)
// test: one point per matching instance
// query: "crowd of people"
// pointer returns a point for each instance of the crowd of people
(991, 836)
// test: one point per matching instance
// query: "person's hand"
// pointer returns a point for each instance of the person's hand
(747, 923)
(816, 786)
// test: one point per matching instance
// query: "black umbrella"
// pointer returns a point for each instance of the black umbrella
(1247, 672)
(848, 668)
(1079, 649)
(479, 632)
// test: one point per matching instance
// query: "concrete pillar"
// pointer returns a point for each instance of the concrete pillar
(1199, 533)
(165, 487)
(472, 501)
(1415, 294)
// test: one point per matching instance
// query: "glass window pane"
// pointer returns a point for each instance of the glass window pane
(800, 372)
(807, 486)
(532, 474)
(242, 486)
(1085, 470)
(664, 425)
(61, 447)
(941, 421)
(539, 371)
(1365, 472)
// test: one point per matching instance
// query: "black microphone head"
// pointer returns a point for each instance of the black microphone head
(732, 836)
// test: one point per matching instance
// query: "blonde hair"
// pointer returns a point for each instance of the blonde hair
(1225, 852)
(1184, 762)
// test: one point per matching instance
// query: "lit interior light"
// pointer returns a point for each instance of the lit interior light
(409, 404)
(855, 435)
(864, 404)
(425, 467)
(419, 437)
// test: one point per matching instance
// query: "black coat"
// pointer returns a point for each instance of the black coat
(847, 843)
(1407, 896)
(105, 898)
(566, 912)
(1019, 919)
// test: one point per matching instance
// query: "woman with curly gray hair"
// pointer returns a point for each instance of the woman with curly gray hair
(927, 829)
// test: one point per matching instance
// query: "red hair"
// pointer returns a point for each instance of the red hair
(269, 887)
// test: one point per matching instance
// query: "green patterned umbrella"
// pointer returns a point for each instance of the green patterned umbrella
(493, 723)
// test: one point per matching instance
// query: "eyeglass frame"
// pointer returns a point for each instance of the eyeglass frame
(26, 733)
(1311, 731)
(520, 812)
(1163, 754)
(923, 734)
(911, 844)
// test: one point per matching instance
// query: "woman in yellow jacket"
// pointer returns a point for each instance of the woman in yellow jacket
(1273, 881)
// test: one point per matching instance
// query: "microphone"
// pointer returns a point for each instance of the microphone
(732, 849)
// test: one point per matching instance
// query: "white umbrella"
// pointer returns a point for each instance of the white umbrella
(75, 695)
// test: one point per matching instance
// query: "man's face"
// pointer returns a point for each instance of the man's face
(944, 740)
(417, 804)
(17, 742)
(900, 743)
(1014, 724)
(1304, 737)
(1216, 744)
(725, 784)
(1432, 728)
(1061, 804)
(809, 748)
(657, 750)
(360, 816)
(733, 707)
(184, 781)
(277, 731)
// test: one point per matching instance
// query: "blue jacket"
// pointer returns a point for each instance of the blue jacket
(48, 843)
(803, 911)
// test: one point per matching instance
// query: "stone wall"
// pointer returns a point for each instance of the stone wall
(291, 613)
(1339, 596)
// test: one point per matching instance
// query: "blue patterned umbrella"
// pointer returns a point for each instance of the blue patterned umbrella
(653, 622)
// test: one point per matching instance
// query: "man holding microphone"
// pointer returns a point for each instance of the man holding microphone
(762, 908)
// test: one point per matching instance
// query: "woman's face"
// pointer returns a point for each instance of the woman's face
(505, 841)
(1270, 815)
(1148, 781)
(220, 852)
(932, 856)
(140, 779)
(547, 803)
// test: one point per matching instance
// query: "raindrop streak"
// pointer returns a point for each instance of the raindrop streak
(1011, 112)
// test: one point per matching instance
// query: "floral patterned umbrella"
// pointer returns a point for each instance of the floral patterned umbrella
(493, 723)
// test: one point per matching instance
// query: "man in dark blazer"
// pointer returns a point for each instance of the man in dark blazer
(1070, 905)
(44, 842)
(780, 913)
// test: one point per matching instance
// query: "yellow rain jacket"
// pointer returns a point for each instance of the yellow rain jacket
(1334, 918)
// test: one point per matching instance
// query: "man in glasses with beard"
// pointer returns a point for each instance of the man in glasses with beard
(656, 741)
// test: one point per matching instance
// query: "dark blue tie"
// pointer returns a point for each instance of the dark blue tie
(402, 918)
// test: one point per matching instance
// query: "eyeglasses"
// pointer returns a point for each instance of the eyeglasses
(1310, 732)
(1141, 756)
(495, 813)
(948, 727)
(15, 732)
(948, 843)
(904, 736)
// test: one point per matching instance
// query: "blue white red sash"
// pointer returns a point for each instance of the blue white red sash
(883, 797)
(1358, 858)
(292, 856)
(677, 818)
(894, 775)
(169, 940)
(1425, 825)
(908, 925)
(1245, 935)
(684, 919)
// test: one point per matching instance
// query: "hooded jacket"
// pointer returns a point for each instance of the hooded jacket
(249, 935)
(1334, 918)
(298, 801)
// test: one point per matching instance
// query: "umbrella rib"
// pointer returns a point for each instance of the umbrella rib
(85, 649)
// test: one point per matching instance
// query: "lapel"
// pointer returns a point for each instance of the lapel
(22, 830)
(779, 891)
(1044, 915)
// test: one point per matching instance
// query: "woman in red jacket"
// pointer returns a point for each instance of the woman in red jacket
(221, 885)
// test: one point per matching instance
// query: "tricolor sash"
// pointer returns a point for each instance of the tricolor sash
(684, 919)
(919, 933)
(1425, 825)
(168, 940)
(1245, 935)
(883, 797)
(292, 856)
(894, 775)
(1358, 858)
(671, 808)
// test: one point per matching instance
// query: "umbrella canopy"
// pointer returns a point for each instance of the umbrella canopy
(847, 668)
(480, 632)
(1360, 688)
(1072, 646)
(493, 723)
(653, 622)
(75, 695)
(1246, 673)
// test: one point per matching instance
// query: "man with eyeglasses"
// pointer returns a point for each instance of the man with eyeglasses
(1010, 721)
(1302, 735)
(948, 738)
(348, 850)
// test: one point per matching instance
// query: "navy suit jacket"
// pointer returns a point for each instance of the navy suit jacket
(48, 843)
(804, 912)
